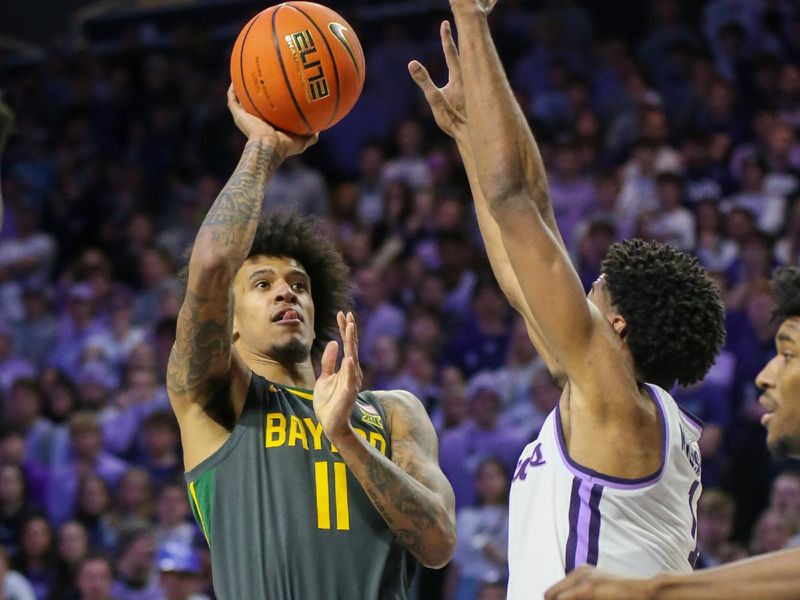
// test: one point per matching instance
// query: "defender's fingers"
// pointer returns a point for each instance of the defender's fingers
(423, 80)
(342, 323)
(328, 361)
(451, 55)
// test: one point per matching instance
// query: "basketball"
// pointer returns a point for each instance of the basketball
(299, 66)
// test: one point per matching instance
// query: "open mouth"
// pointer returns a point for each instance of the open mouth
(287, 315)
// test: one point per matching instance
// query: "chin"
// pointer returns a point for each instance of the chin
(290, 353)
(784, 446)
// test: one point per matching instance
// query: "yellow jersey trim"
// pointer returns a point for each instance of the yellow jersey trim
(199, 512)
(301, 393)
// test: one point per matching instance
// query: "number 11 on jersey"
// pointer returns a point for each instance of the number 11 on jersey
(322, 477)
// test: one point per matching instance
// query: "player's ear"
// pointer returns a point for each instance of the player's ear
(620, 325)
(235, 328)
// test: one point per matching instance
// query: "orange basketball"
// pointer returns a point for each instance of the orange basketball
(299, 66)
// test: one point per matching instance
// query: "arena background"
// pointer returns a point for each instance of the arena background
(663, 119)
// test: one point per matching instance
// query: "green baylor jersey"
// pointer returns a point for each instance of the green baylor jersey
(283, 515)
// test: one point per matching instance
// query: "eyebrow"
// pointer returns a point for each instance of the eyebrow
(785, 337)
(259, 272)
(271, 271)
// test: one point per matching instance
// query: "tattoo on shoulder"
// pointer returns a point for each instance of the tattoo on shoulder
(407, 419)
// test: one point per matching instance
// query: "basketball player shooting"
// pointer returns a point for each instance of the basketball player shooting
(304, 487)
(774, 576)
(614, 476)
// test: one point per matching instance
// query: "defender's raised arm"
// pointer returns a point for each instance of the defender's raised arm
(447, 104)
(511, 177)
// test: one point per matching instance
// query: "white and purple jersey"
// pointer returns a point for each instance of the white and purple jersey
(563, 515)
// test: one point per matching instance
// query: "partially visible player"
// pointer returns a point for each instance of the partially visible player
(6, 122)
(774, 576)
(304, 486)
(614, 476)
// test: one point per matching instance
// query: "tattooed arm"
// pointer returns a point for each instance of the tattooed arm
(410, 490)
(203, 369)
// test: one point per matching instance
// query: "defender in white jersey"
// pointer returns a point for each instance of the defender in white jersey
(640, 526)
(611, 482)
(773, 576)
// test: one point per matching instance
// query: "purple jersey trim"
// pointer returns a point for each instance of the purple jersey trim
(574, 513)
(583, 542)
(593, 549)
(692, 490)
(620, 483)
(696, 421)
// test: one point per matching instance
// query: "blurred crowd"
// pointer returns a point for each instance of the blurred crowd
(685, 133)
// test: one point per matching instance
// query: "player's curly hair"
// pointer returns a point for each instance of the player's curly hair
(785, 286)
(290, 235)
(674, 314)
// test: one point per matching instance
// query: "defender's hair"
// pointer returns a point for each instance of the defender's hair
(785, 285)
(674, 314)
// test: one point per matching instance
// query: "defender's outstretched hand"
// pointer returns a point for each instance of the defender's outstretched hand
(250, 125)
(447, 103)
(335, 392)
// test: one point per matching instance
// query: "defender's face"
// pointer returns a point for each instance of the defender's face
(599, 296)
(779, 382)
(274, 312)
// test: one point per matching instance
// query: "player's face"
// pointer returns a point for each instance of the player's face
(598, 294)
(779, 381)
(601, 298)
(274, 312)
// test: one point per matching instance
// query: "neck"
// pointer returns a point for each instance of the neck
(299, 375)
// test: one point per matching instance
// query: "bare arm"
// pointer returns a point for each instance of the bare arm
(200, 362)
(502, 269)
(410, 490)
(447, 104)
(774, 576)
(607, 412)
(511, 175)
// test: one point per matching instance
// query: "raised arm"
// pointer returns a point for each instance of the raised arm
(200, 364)
(774, 576)
(511, 175)
(447, 104)
(410, 490)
